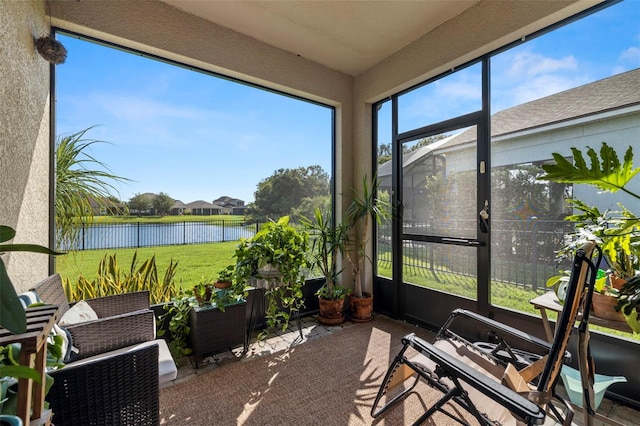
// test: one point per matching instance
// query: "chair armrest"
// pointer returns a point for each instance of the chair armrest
(498, 326)
(117, 389)
(119, 304)
(107, 334)
(521, 407)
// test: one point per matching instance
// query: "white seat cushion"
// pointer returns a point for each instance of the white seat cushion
(167, 370)
(78, 313)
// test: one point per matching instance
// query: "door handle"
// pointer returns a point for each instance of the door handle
(483, 218)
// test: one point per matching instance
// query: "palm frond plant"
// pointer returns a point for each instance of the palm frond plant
(82, 183)
(617, 232)
(363, 208)
(328, 242)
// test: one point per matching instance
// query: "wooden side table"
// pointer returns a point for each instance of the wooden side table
(550, 301)
(33, 354)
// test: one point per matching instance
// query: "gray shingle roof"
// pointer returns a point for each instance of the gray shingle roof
(615, 92)
(200, 204)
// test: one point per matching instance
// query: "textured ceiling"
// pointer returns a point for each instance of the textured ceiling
(347, 36)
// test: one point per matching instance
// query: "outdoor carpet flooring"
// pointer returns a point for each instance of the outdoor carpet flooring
(331, 380)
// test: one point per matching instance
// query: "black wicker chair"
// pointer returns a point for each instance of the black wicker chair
(123, 319)
(114, 390)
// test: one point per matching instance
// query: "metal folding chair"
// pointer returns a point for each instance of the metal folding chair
(510, 380)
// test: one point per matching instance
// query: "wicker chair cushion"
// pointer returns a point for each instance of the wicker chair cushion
(167, 370)
(80, 312)
(28, 298)
(67, 341)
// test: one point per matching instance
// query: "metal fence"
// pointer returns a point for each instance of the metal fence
(140, 234)
(522, 253)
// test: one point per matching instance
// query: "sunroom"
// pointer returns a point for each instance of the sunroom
(385, 69)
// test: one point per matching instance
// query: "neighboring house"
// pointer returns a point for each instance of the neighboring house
(179, 208)
(203, 208)
(607, 110)
(230, 205)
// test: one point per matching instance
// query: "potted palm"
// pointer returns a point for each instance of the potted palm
(617, 233)
(327, 243)
(364, 207)
(275, 260)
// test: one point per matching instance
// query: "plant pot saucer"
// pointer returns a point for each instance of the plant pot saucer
(361, 320)
(331, 321)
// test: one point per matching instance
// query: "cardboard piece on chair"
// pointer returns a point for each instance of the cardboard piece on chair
(513, 380)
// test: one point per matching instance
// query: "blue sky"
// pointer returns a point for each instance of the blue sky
(194, 136)
(184, 133)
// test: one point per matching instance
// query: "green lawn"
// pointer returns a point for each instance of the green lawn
(505, 295)
(203, 262)
(195, 262)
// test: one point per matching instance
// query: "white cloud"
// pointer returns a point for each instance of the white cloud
(631, 55)
(544, 85)
(137, 108)
(529, 64)
(459, 90)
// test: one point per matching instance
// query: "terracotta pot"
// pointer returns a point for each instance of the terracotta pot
(604, 307)
(617, 282)
(207, 295)
(222, 284)
(361, 308)
(331, 311)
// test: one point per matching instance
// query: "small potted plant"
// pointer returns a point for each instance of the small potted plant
(205, 320)
(275, 260)
(204, 293)
(327, 243)
(225, 277)
(629, 303)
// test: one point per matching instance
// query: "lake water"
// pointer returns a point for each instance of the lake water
(133, 235)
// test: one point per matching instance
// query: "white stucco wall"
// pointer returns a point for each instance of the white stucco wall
(24, 137)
